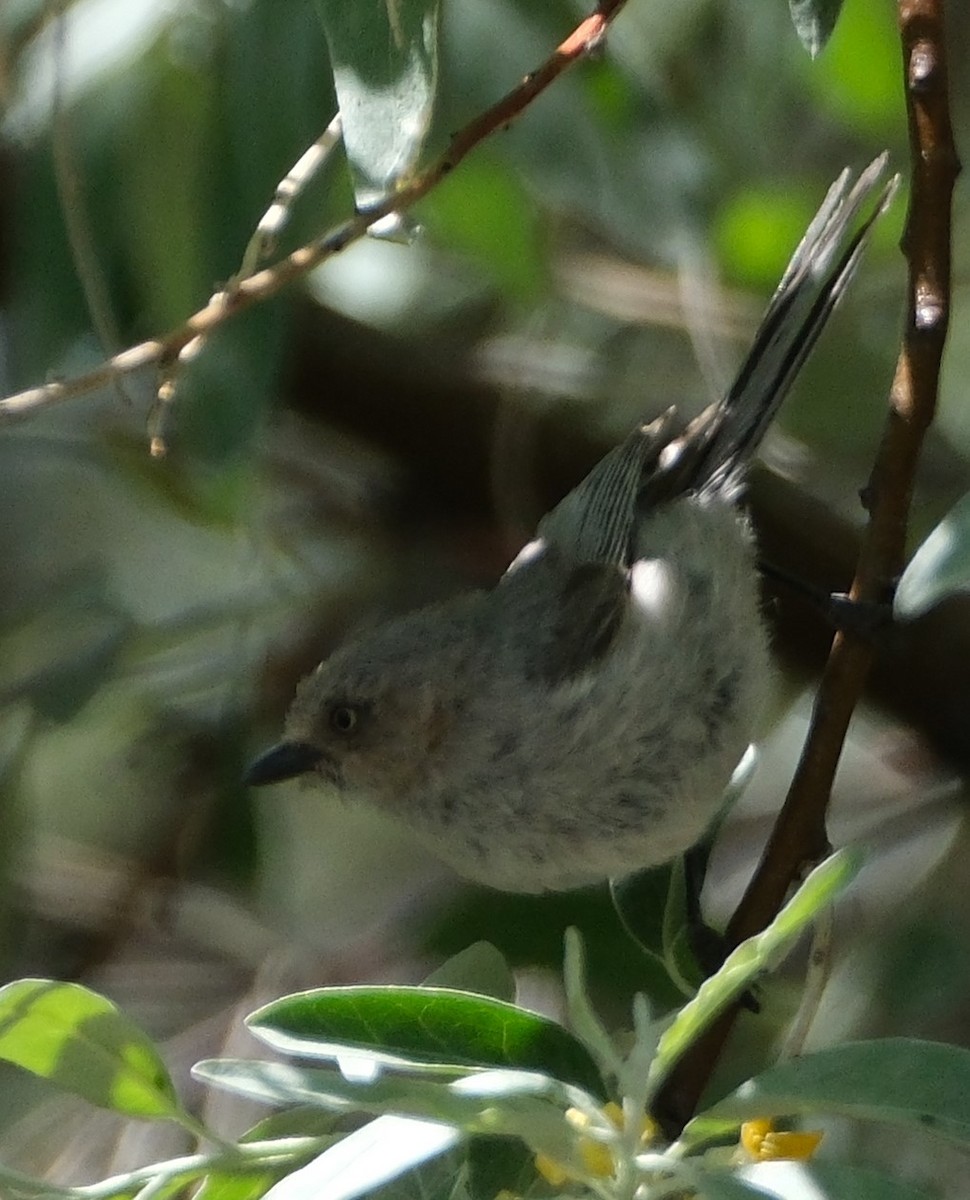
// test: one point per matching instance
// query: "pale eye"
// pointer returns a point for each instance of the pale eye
(344, 718)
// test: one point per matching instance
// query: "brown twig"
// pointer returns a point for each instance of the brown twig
(262, 244)
(259, 248)
(799, 835)
(162, 352)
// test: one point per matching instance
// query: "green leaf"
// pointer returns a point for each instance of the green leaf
(498, 1164)
(724, 1185)
(653, 904)
(436, 1028)
(903, 1081)
(384, 56)
(81, 1042)
(798, 1181)
(307, 1121)
(282, 1084)
(518, 1103)
(439, 1178)
(579, 1007)
(222, 1186)
(814, 21)
(640, 901)
(752, 957)
(678, 948)
(160, 214)
(939, 568)
(367, 1159)
(480, 968)
(805, 1181)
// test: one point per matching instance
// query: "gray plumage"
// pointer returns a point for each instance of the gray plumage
(582, 719)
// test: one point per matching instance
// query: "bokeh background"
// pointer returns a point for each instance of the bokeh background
(386, 432)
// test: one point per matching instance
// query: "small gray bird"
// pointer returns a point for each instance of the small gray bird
(581, 720)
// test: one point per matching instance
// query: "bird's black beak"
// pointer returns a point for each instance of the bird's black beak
(285, 761)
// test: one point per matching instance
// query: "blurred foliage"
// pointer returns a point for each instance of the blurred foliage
(385, 70)
(155, 615)
(814, 21)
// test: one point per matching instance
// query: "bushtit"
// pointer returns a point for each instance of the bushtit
(582, 719)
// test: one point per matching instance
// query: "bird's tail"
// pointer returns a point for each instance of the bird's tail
(816, 277)
(654, 465)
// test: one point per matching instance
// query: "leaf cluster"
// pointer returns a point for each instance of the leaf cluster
(471, 1094)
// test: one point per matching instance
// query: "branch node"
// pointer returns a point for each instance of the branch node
(923, 64)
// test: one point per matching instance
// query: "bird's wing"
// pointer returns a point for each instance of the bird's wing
(566, 593)
(596, 521)
(584, 618)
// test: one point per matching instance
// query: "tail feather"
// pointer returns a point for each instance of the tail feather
(596, 522)
(814, 281)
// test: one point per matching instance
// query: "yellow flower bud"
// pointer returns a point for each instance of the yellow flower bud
(550, 1170)
(762, 1142)
(597, 1158)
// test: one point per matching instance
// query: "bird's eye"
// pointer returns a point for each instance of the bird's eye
(344, 718)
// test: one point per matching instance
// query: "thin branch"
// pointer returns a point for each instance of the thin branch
(163, 352)
(260, 246)
(799, 834)
(288, 190)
